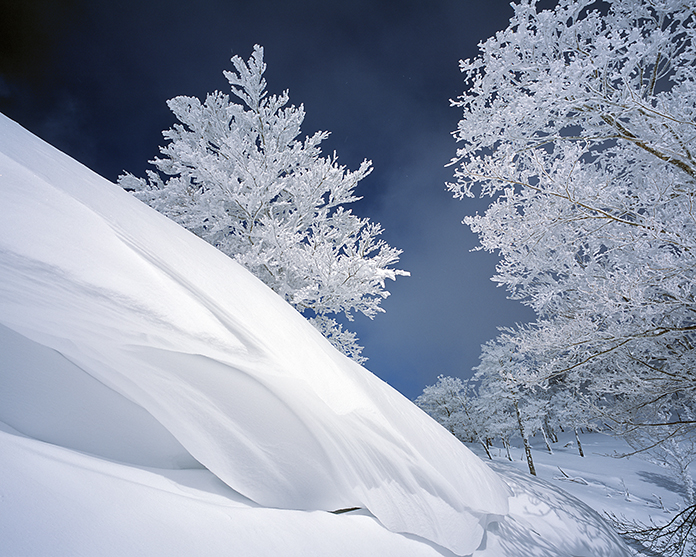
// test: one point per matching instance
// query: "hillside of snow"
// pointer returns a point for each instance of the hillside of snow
(157, 399)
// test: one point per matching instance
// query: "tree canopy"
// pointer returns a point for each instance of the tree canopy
(238, 176)
(580, 122)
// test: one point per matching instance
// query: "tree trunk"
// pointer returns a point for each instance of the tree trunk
(485, 447)
(577, 440)
(525, 441)
(550, 432)
(506, 444)
(546, 439)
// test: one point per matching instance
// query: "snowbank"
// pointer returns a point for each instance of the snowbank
(240, 380)
(157, 399)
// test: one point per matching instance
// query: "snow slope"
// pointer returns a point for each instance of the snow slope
(628, 488)
(157, 399)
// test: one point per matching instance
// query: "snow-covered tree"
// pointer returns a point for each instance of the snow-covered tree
(496, 408)
(444, 401)
(580, 123)
(453, 405)
(568, 410)
(514, 404)
(238, 176)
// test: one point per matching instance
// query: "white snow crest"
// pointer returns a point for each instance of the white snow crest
(166, 332)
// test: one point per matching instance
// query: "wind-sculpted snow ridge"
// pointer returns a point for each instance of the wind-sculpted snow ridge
(231, 374)
(157, 399)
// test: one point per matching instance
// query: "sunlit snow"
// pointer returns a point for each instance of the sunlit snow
(157, 399)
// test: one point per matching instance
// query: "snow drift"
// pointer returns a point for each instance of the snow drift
(204, 363)
(157, 399)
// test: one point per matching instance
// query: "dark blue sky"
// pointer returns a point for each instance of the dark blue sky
(91, 77)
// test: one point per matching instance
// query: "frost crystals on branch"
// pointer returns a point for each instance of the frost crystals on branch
(237, 176)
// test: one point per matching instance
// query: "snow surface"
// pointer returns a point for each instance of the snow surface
(157, 399)
(628, 488)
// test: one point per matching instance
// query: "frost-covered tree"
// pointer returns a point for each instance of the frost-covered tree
(579, 122)
(515, 405)
(237, 175)
(568, 410)
(453, 405)
(580, 126)
(444, 402)
(495, 407)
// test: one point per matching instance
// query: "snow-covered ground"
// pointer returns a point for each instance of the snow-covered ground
(157, 399)
(629, 488)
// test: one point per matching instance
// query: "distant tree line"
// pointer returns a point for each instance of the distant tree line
(490, 408)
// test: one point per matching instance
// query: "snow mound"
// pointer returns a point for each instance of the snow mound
(198, 356)
(157, 399)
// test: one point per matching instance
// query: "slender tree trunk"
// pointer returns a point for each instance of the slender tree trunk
(577, 440)
(506, 444)
(485, 447)
(551, 433)
(525, 441)
(546, 439)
